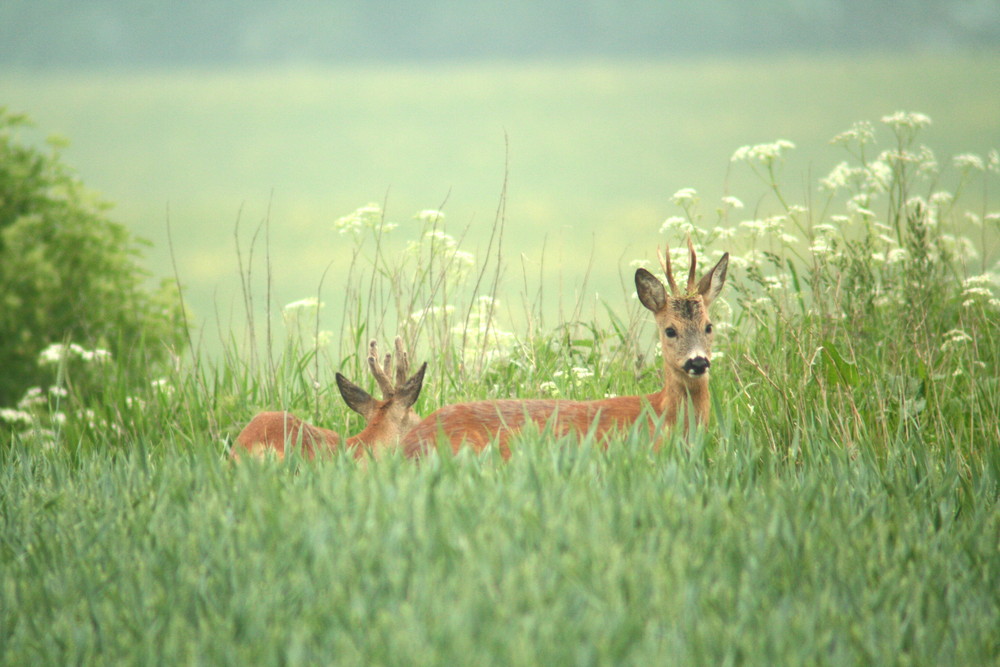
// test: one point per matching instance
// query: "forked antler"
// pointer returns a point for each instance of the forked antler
(665, 263)
(382, 373)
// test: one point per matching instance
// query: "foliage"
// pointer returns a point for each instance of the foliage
(68, 273)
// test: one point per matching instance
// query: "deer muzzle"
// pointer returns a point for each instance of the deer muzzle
(697, 365)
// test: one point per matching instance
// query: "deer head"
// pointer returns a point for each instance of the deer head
(682, 316)
(389, 418)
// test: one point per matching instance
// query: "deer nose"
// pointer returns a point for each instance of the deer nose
(696, 365)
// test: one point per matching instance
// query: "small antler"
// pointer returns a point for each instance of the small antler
(694, 261)
(665, 263)
(382, 374)
(402, 362)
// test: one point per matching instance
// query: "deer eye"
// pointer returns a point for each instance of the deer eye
(670, 332)
(708, 328)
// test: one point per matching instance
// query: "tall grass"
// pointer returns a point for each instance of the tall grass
(842, 506)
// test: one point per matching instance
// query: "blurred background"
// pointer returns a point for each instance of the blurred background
(573, 123)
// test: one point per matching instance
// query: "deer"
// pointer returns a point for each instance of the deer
(386, 420)
(685, 335)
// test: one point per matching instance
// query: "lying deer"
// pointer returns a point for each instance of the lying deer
(387, 420)
(685, 333)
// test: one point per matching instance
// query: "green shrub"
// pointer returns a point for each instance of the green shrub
(68, 274)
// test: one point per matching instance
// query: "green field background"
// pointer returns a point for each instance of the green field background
(591, 153)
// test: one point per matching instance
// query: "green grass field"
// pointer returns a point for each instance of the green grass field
(717, 553)
(842, 506)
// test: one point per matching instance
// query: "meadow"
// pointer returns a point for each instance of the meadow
(588, 154)
(841, 507)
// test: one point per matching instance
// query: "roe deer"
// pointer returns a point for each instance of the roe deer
(387, 420)
(685, 333)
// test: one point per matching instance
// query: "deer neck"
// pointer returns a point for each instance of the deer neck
(681, 392)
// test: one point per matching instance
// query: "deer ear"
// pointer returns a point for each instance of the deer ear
(711, 283)
(650, 290)
(357, 399)
(410, 391)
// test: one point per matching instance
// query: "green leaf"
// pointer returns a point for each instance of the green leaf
(838, 369)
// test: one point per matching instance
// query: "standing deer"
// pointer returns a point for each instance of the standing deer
(387, 420)
(685, 333)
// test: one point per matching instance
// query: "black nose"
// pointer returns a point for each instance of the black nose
(696, 366)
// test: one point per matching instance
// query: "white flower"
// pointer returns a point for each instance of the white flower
(675, 223)
(430, 216)
(907, 119)
(954, 338)
(437, 235)
(366, 216)
(548, 388)
(732, 202)
(431, 311)
(993, 161)
(723, 233)
(859, 205)
(969, 161)
(862, 132)
(162, 385)
(16, 416)
(778, 282)
(759, 227)
(31, 398)
(100, 356)
(762, 152)
(839, 177)
(53, 354)
(942, 198)
(303, 304)
(878, 175)
(684, 196)
(896, 255)
(820, 247)
(464, 259)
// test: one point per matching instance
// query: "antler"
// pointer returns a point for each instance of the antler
(665, 263)
(382, 374)
(402, 362)
(694, 261)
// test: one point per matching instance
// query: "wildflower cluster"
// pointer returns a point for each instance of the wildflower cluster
(363, 219)
(57, 353)
(41, 416)
(430, 288)
(881, 231)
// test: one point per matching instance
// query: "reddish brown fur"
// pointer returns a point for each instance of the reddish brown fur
(271, 431)
(387, 420)
(479, 423)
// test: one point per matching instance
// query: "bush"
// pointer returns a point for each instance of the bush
(67, 272)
